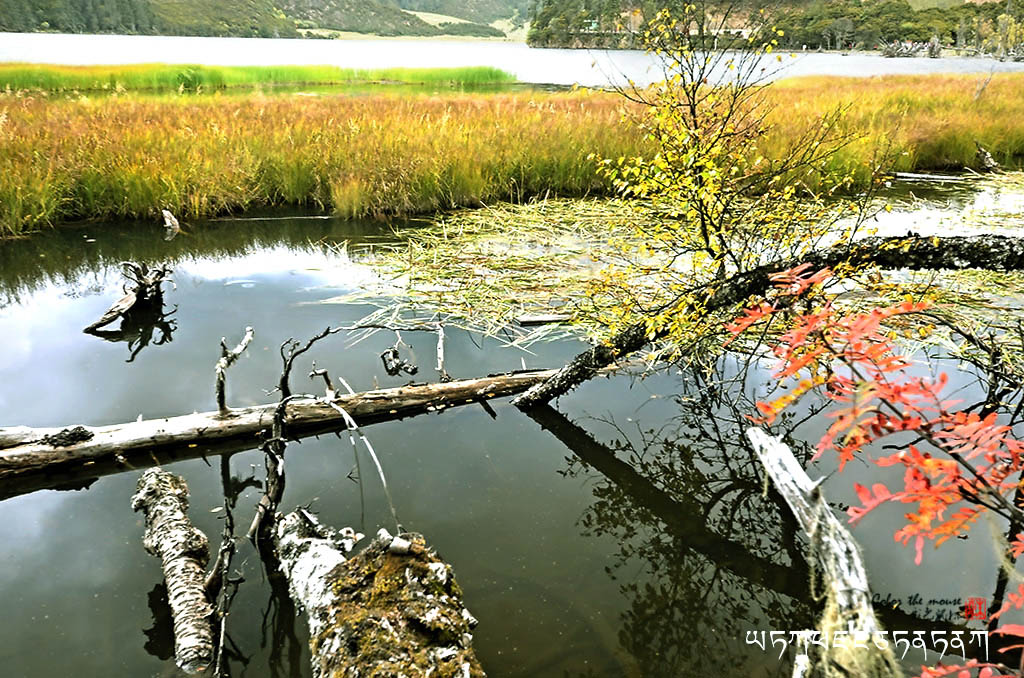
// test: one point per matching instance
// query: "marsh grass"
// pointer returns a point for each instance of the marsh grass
(928, 122)
(193, 78)
(129, 155)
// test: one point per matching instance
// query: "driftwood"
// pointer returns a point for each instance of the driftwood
(33, 458)
(392, 610)
(228, 357)
(839, 563)
(986, 252)
(184, 552)
(142, 295)
(531, 320)
(936, 178)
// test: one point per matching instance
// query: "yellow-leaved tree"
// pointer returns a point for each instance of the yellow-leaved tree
(729, 191)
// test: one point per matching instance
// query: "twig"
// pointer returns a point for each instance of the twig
(227, 359)
(440, 355)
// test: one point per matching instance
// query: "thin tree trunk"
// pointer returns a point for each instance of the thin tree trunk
(987, 252)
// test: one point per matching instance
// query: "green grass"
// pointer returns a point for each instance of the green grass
(166, 77)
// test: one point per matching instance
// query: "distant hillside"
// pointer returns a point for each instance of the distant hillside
(480, 11)
(825, 24)
(358, 16)
(171, 17)
(266, 18)
(384, 17)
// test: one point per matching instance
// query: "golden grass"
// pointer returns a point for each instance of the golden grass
(931, 121)
(129, 156)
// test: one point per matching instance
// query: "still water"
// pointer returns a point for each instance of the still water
(594, 68)
(625, 534)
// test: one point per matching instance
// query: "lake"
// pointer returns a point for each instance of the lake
(625, 534)
(594, 68)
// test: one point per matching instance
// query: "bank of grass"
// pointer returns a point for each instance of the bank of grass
(128, 156)
(170, 77)
(926, 123)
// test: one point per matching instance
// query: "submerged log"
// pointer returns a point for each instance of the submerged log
(912, 252)
(33, 459)
(838, 561)
(184, 552)
(392, 610)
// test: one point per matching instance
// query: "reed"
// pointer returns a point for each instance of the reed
(129, 155)
(49, 78)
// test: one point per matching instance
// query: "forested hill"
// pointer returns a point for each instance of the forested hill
(265, 18)
(172, 17)
(829, 24)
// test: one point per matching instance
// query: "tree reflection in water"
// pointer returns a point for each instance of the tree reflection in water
(720, 552)
(138, 326)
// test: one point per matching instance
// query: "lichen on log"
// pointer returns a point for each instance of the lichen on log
(184, 552)
(392, 610)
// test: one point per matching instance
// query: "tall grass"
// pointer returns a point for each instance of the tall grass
(49, 78)
(129, 156)
(928, 122)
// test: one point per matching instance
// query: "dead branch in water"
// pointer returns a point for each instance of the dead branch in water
(143, 293)
(184, 552)
(848, 608)
(227, 359)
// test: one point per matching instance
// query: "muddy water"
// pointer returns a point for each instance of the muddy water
(627, 536)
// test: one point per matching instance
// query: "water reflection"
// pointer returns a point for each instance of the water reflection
(649, 552)
(138, 327)
(705, 551)
(717, 557)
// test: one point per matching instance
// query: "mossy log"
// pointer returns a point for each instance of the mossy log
(912, 252)
(32, 458)
(184, 552)
(392, 610)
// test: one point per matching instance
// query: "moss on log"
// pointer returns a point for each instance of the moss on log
(392, 610)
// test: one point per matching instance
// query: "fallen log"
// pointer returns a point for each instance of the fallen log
(37, 458)
(912, 252)
(183, 551)
(848, 607)
(392, 610)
